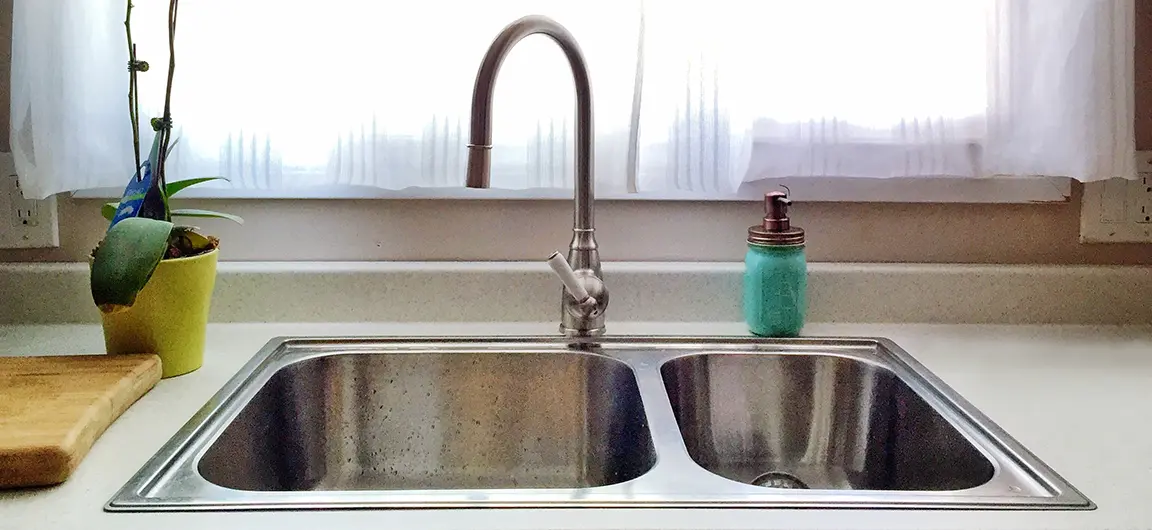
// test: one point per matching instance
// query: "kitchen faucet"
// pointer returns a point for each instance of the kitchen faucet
(585, 297)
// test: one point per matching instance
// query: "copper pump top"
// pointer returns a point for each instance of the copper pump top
(776, 229)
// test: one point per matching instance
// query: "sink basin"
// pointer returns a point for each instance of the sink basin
(321, 423)
(829, 422)
(437, 421)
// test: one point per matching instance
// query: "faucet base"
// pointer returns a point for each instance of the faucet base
(584, 318)
(569, 332)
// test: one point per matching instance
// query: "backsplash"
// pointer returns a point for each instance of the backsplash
(642, 292)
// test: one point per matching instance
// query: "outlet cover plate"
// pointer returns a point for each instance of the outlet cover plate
(24, 223)
(1118, 210)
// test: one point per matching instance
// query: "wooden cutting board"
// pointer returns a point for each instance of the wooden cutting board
(53, 408)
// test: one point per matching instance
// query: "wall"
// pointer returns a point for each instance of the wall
(529, 230)
(1143, 60)
(5, 67)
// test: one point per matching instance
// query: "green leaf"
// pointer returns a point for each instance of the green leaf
(194, 212)
(125, 260)
(109, 210)
(175, 187)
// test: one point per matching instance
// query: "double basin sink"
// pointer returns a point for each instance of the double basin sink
(605, 422)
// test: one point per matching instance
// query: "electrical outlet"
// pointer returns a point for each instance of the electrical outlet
(25, 212)
(1142, 202)
(28, 223)
(1118, 210)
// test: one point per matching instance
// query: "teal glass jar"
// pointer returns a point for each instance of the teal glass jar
(775, 273)
(775, 284)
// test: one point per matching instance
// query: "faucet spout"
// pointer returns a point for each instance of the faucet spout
(583, 255)
(480, 139)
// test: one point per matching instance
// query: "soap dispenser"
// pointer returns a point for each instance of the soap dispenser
(775, 272)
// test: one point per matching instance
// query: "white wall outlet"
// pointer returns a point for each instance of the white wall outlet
(1142, 202)
(24, 223)
(1118, 210)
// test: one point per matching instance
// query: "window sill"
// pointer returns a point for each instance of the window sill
(808, 189)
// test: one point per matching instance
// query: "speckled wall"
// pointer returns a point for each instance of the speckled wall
(5, 63)
(1144, 74)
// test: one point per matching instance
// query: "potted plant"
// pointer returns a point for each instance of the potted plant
(151, 278)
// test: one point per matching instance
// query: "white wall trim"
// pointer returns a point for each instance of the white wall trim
(809, 189)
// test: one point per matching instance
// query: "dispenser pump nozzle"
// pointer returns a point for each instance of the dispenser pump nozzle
(776, 205)
(776, 229)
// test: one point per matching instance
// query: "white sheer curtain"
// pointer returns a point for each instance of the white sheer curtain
(967, 88)
(689, 96)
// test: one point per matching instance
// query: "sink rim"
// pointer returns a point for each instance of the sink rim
(178, 458)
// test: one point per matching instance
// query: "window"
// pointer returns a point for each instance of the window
(692, 100)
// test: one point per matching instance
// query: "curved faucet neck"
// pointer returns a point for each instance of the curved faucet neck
(480, 142)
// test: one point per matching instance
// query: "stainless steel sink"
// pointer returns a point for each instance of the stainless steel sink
(589, 422)
(437, 421)
(826, 421)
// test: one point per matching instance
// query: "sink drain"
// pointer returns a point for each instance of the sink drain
(779, 479)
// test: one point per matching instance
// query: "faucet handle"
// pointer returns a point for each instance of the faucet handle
(562, 269)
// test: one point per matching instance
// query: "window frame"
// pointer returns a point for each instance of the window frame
(993, 190)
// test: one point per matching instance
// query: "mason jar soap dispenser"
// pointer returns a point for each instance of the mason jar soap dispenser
(775, 272)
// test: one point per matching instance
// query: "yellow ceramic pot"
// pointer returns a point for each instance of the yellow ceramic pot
(170, 316)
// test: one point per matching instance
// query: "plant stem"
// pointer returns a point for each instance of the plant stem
(166, 129)
(133, 101)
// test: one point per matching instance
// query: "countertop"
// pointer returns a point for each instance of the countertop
(1079, 397)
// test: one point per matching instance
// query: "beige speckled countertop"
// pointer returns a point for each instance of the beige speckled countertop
(1078, 397)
